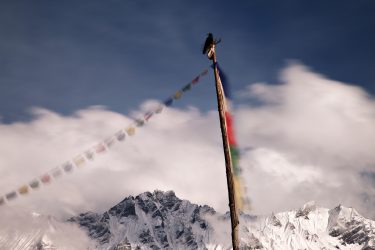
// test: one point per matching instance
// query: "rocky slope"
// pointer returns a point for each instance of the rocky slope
(152, 220)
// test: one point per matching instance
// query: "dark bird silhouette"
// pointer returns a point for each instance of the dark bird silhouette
(209, 42)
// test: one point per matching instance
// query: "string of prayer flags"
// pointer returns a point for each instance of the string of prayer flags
(240, 190)
(99, 148)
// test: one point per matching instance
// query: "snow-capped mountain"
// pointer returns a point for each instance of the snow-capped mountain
(160, 220)
(157, 220)
(311, 227)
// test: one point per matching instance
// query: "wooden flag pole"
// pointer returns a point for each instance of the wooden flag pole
(228, 159)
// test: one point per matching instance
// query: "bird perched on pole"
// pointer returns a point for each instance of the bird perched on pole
(208, 43)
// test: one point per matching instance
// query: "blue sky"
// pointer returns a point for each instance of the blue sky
(69, 55)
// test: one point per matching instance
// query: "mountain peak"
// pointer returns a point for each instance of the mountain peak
(306, 209)
(156, 220)
(164, 199)
(156, 195)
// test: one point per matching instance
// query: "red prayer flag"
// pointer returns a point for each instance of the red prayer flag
(46, 178)
(195, 80)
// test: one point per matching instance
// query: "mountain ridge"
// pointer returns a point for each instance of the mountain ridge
(161, 220)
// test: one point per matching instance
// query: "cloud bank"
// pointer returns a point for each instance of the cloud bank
(23, 230)
(312, 138)
(307, 138)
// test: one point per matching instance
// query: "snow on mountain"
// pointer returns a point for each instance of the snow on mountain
(21, 230)
(312, 227)
(160, 220)
(156, 220)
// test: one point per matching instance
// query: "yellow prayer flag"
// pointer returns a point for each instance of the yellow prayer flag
(177, 95)
(238, 192)
(79, 161)
(23, 190)
(130, 131)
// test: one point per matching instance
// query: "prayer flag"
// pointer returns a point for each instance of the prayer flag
(120, 135)
(79, 161)
(234, 153)
(195, 80)
(139, 122)
(177, 95)
(89, 155)
(11, 195)
(23, 190)
(204, 73)
(168, 102)
(34, 184)
(99, 148)
(46, 178)
(159, 109)
(68, 167)
(186, 87)
(130, 131)
(56, 173)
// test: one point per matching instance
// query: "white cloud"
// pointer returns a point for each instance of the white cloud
(178, 150)
(319, 135)
(22, 230)
(310, 139)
